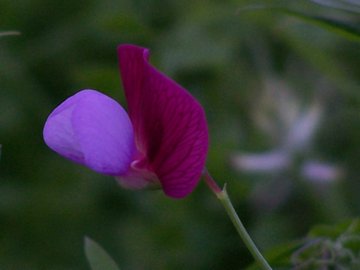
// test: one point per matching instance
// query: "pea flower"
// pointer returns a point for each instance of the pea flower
(162, 141)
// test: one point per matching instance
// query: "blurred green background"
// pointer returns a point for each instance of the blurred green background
(283, 106)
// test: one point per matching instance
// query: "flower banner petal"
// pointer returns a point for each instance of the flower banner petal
(170, 125)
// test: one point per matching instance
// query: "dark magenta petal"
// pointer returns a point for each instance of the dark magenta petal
(170, 125)
(94, 130)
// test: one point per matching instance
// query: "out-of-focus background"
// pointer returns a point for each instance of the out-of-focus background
(283, 106)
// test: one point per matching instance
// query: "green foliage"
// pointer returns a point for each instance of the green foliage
(252, 71)
(347, 29)
(336, 246)
(345, 5)
(326, 247)
(97, 256)
(280, 257)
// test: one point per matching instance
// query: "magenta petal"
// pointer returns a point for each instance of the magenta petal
(94, 130)
(170, 125)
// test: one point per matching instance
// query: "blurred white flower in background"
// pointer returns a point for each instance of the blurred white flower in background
(291, 126)
(321, 172)
(263, 162)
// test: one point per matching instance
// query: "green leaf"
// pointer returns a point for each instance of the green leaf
(98, 257)
(349, 227)
(346, 29)
(348, 6)
(279, 257)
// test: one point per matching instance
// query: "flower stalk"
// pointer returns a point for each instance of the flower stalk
(223, 196)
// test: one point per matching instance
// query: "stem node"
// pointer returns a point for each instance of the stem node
(224, 198)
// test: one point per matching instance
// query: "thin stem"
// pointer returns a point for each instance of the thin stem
(9, 33)
(223, 196)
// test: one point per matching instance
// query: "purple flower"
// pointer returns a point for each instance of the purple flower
(163, 141)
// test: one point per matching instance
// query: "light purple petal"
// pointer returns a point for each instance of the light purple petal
(94, 130)
(170, 125)
(320, 172)
(265, 162)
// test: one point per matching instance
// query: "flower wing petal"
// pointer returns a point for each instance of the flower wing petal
(58, 132)
(94, 130)
(170, 125)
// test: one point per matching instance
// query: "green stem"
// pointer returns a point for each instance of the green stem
(223, 196)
